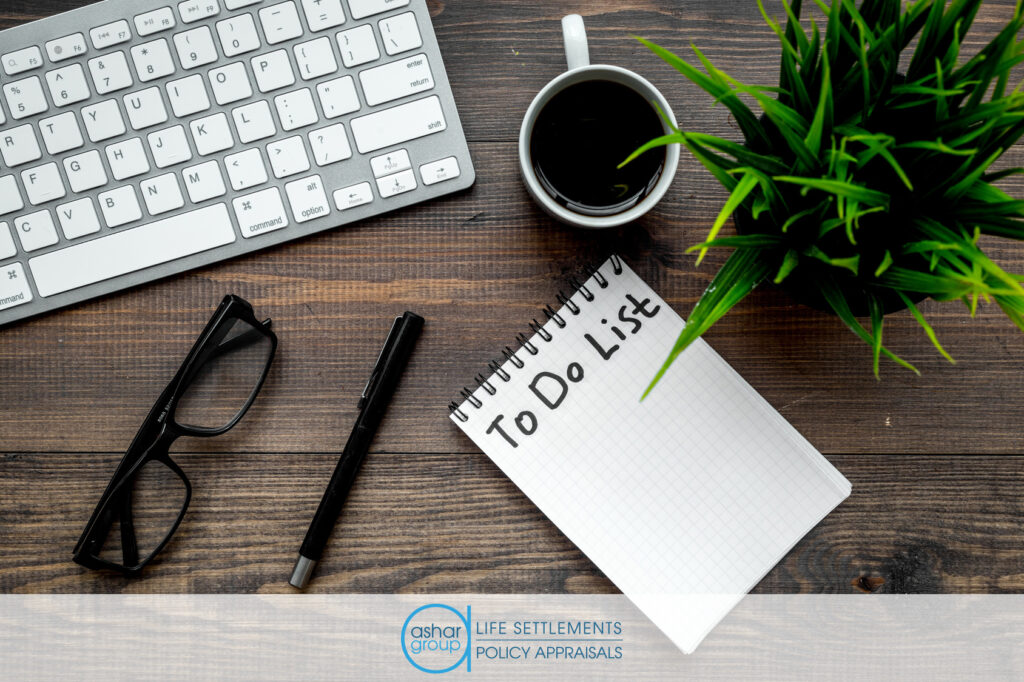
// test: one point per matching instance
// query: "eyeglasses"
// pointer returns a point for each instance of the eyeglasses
(148, 495)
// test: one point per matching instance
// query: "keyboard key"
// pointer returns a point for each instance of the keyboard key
(338, 97)
(110, 72)
(358, 46)
(238, 35)
(68, 85)
(391, 163)
(204, 181)
(440, 171)
(330, 145)
(323, 14)
(296, 109)
(85, 171)
(238, 4)
(127, 159)
(78, 219)
(396, 80)
(7, 246)
(188, 96)
(60, 133)
(273, 71)
(400, 34)
(288, 157)
(19, 145)
(10, 196)
(152, 60)
(131, 250)
(22, 60)
(399, 183)
(365, 8)
(14, 288)
(43, 184)
(155, 21)
(103, 121)
(354, 196)
(169, 147)
(230, 83)
(162, 194)
(119, 206)
(25, 97)
(196, 10)
(212, 134)
(253, 122)
(308, 199)
(145, 108)
(260, 212)
(36, 231)
(315, 58)
(195, 48)
(245, 170)
(280, 22)
(65, 48)
(110, 34)
(398, 124)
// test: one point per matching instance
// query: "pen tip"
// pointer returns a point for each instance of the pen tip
(302, 572)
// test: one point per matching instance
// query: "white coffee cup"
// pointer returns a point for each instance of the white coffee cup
(577, 54)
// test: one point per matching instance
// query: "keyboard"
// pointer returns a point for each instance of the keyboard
(144, 138)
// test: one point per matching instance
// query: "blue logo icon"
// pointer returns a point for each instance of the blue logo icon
(436, 638)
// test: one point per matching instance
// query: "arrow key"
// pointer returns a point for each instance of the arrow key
(396, 184)
(246, 169)
(351, 197)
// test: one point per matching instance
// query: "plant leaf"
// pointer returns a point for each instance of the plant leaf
(745, 269)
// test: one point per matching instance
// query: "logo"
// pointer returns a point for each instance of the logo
(436, 638)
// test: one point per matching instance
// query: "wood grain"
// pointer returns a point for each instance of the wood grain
(432, 513)
(454, 523)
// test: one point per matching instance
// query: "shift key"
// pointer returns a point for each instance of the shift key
(398, 124)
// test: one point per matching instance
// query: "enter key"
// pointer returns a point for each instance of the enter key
(399, 79)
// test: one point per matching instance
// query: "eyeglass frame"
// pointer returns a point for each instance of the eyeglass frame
(154, 438)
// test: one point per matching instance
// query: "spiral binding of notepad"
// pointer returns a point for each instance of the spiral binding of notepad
(510, 356)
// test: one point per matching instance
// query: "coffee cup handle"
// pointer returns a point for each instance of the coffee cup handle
(577, 51)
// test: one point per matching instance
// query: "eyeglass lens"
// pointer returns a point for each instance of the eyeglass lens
(224, 377)
(157, 496)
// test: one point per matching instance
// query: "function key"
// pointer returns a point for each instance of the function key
(65, 48)
(366, 8)
(196, 10)
(238, 4)
(155, 21)
(22, 60)
(110, 34)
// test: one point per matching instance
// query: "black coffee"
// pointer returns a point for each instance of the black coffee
(581, 136)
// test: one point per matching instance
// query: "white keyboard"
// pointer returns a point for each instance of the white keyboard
(143, 138)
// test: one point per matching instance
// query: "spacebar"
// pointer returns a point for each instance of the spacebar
(141, 247)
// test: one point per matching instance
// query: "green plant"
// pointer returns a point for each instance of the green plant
(863, 185)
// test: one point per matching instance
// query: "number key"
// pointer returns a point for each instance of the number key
(195, 47)
(67, 85)
(25, 97)
(110, 72)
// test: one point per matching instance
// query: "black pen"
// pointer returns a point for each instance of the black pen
(374, 403)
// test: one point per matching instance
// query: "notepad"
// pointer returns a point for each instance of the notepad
(684, 500)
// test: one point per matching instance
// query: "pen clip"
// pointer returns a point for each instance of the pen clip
(378, 367)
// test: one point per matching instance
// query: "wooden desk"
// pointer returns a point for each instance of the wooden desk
(935, 461)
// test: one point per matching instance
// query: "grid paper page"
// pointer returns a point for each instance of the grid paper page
(684, 501)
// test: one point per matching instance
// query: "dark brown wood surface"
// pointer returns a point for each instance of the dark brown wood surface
(935, 460)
